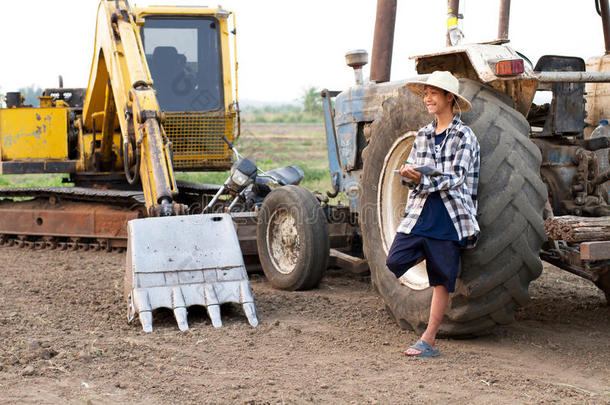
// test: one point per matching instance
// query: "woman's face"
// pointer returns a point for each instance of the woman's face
(437, 101)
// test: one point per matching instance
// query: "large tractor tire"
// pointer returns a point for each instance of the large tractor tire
(292, 238)
(495, 275)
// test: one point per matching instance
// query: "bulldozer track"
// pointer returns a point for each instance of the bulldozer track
(129, 201)
(54, 197)
(52, 243)
(74, 194)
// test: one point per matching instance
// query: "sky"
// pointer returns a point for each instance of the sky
(284, 47)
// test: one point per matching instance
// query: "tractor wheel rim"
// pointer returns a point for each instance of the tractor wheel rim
(283, 241)
(391, 200)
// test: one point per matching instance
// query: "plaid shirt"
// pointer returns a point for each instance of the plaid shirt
(459, 161)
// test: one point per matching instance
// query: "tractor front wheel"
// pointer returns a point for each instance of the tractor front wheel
(292, 238)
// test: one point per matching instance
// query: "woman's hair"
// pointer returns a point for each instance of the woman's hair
(454, 100)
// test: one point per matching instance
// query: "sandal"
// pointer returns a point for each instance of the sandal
(425, 350)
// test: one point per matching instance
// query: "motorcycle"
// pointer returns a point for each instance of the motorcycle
(249, 184)
(291, 227)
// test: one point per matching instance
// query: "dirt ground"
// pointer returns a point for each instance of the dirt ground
(64, 339)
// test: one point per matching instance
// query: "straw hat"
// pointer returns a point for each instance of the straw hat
(445, 81)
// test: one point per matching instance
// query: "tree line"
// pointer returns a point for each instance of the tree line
(306, 109)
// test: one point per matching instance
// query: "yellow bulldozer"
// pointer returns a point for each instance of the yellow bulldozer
(160, 98)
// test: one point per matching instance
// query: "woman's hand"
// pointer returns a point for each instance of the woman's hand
(407, 171)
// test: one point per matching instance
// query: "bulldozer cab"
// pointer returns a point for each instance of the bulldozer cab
(189, 58)
(185, 60)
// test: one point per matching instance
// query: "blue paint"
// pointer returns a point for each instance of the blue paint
(350, 105)
(559, 156)
(566, 174)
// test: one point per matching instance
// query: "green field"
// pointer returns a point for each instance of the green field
(276, 145)
(268, 145)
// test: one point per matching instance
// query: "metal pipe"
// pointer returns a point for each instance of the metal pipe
(213, 201)
(383, 41)
(504, 19)
(605, 14)
(572, 77)
(453, 7)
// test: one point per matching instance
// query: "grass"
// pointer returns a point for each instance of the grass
(282, 118)
(280, 114)
(268, 145)
(32, 180)
(271, 146)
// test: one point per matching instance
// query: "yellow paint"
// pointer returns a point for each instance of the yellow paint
(33, 133)
(46, 101)
(197, 139)
(87, 160)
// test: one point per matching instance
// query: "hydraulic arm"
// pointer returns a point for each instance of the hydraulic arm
(120, 88)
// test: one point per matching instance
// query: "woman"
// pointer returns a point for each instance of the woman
(440, 215)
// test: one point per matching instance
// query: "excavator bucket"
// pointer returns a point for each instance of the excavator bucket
(179, 261)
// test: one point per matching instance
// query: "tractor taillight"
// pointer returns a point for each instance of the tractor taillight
(509, 67)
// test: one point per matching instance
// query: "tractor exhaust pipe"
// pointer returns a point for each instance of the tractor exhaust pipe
(453, 7)
(383, 41)
(604, 11)
(504, 20)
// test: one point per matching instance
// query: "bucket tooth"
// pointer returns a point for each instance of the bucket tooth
(214, 312)
(250, 311)
(180, 314)
(146, 321)
(209, 295)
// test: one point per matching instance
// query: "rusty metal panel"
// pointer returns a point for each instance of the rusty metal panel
(480, 57)
(64, 219)
(476, 62)
(33, 133)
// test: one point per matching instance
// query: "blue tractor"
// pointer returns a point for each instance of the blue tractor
(532, 160)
